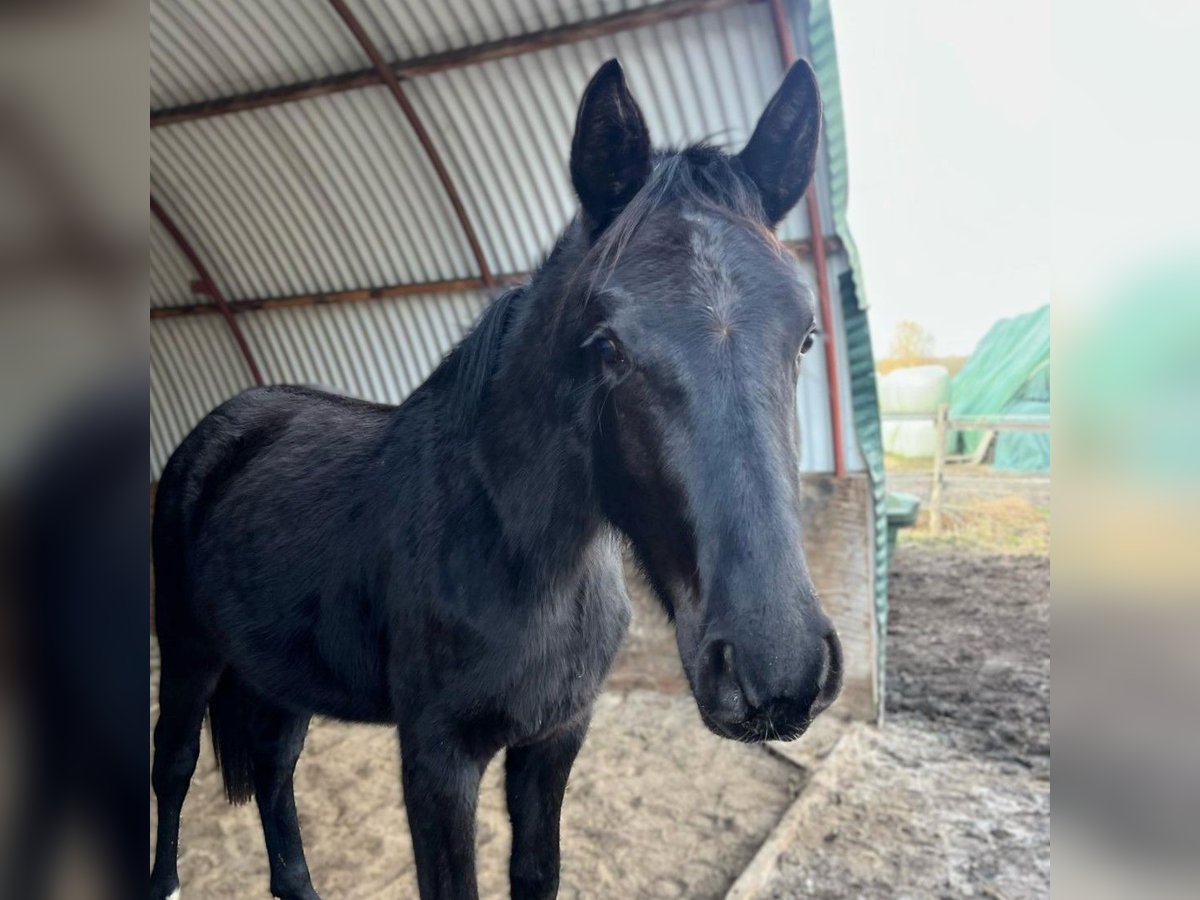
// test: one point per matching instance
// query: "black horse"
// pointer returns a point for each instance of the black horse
(453, 565)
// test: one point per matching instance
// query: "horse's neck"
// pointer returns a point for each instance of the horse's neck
(535, 459)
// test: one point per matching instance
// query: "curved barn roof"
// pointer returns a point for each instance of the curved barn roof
(357, 177)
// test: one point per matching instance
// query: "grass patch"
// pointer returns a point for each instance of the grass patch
(904, 464)
(993, 525)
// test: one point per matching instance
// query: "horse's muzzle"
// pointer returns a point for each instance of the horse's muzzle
(758, 703)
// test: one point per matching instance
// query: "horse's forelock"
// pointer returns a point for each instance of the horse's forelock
(701, 178)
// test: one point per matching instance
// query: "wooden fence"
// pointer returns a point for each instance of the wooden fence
(943, 425)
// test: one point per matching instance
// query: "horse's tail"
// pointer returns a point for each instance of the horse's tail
(228, 718)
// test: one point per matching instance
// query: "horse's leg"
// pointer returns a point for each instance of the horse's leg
(535, 780)
(185, 683)
(277, 738)
(441, 789)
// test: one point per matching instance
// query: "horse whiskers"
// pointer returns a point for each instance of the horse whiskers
(600, 410)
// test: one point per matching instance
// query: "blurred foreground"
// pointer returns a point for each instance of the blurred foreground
(73, 438)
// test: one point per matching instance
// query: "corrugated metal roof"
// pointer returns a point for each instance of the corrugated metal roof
(334, 193)
(504, 127)
(325, 194)
(171, 274)
(200, 49)
(408, 30)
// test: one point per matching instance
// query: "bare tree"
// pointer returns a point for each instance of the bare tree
(911, 344)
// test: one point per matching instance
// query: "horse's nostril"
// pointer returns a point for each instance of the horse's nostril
(727, 659)
(824, 676)
(829, 685)
(719, 682)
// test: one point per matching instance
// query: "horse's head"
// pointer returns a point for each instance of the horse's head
(695, 326)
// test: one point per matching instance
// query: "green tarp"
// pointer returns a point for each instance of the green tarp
(1009, 374)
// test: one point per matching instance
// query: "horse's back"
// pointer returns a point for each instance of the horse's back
(228, 445)
(234, 432)
(261, 537)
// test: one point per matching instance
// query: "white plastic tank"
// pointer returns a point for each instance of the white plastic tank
(918, 389)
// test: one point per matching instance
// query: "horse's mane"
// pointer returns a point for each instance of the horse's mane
(475, 360)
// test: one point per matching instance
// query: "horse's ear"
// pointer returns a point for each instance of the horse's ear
(610, 153)
(782, 152)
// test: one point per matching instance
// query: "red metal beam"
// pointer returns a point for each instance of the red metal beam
(787, 52)
(502, 48)
(388, 76)
(205, 284)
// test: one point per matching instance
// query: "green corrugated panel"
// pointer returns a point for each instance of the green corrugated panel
(865, 400)
(861, 360)
(824, 60)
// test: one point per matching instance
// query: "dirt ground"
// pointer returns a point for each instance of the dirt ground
(949, 799)
(657, 807)
(952, 797)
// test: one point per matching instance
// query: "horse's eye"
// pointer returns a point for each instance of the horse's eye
(609, 352)
(808, 342)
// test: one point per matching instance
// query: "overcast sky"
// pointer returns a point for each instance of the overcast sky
(946, 105)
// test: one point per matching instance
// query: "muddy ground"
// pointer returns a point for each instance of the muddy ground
(952, 797)
(969, 652)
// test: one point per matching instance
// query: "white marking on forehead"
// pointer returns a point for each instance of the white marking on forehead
(713, 279)
(618, 292)
(175, 894)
